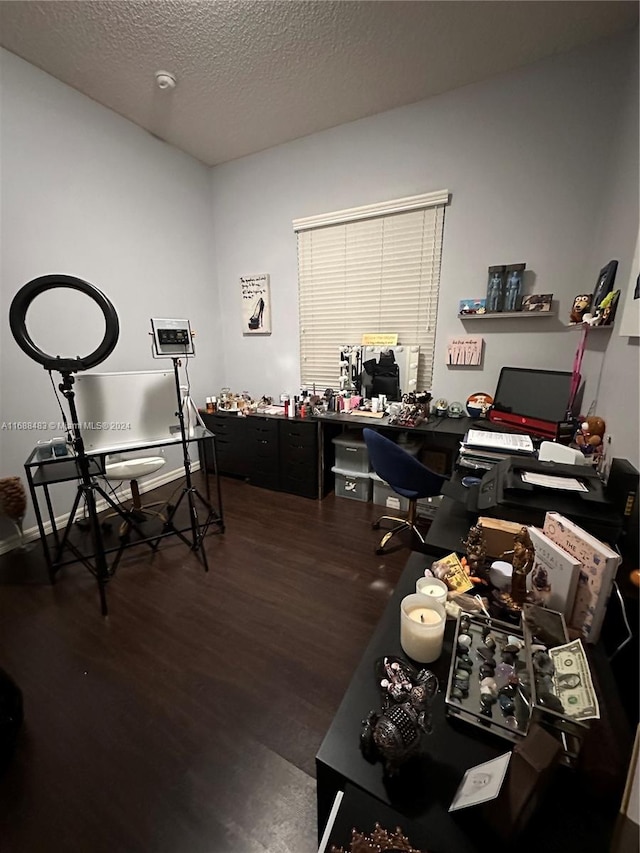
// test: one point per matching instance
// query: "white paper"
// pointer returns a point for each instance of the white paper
(499, 440)
(481, 783)
(565, 484)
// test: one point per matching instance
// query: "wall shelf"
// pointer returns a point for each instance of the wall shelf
(588, 326)
(507, 315)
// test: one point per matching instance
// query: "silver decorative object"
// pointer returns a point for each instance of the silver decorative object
(394, 734)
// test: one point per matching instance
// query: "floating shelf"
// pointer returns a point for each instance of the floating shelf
(507, 315)
(588, 326)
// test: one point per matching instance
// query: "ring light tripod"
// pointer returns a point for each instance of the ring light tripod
(88, 486)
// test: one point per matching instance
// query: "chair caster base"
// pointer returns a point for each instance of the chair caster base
(375, 525)
(380, 551)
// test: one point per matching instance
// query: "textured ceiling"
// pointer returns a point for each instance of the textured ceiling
(256, 74)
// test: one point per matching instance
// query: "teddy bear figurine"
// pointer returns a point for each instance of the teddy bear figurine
(590, 435)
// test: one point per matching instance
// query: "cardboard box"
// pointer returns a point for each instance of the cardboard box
(498, 535)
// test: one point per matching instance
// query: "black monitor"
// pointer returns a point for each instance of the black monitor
(387, 385)
(530, 399)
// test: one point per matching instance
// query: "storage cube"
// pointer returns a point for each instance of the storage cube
(351, 454)
(354, 485)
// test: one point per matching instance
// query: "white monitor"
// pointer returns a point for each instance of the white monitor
(120, 410)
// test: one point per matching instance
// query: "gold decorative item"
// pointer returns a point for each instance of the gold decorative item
(13, 504)
(523, 554)
(379, 840)
(476, 548)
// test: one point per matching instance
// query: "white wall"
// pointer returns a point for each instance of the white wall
(541, 164)
(616, 235)
(526, 157)
(87, 193)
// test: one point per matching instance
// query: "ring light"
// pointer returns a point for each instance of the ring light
(18, 312)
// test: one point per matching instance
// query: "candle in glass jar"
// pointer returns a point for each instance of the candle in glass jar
(433, 587)
(422, 621)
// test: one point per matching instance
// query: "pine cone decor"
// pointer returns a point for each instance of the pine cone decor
(13, 498)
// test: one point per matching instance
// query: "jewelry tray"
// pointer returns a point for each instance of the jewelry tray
(527, 710)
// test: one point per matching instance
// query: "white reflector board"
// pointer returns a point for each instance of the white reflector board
(120, 410)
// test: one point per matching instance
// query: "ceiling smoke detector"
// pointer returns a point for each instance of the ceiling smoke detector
(165, 80)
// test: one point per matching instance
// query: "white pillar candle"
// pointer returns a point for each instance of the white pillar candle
(434, 587)
(422, 621)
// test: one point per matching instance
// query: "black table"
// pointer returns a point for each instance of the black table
(578, 812)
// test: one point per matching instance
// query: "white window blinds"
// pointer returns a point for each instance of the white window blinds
(371, 269)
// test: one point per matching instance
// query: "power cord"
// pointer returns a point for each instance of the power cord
(625, 619)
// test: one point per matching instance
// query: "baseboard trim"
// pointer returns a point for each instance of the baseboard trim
(32, 533)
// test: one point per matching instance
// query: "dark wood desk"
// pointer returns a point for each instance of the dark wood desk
(295, 455)
(454, 517)
(578, 813)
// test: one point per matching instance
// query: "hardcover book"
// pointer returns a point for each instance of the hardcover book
(554, 578)
(599, 564)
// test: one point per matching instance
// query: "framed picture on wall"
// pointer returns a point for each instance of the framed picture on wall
(255, 292)
(537, 302)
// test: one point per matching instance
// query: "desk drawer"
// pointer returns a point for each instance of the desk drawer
(305, 485)
(261, 428)
(297, 434)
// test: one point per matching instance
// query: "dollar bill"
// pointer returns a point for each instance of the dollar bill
(572, 681)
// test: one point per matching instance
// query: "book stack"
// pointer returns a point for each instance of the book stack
(482, 449)
(594, 563)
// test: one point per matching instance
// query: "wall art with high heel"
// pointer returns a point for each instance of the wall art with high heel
(256, 304)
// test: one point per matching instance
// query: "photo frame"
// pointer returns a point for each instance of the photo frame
(537, 302)
(255, 292)
(469, 307)
(604, 285)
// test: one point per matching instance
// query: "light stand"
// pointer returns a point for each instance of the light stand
(87, 489)
(173, 338)
(66, 367)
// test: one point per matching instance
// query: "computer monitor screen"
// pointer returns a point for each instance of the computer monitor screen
(540, 394)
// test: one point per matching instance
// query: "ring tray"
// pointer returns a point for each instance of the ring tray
(503, 670)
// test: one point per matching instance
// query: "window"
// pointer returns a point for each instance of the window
(369, 269)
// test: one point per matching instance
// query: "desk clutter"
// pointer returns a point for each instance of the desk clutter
(515, 662)
(525, 679)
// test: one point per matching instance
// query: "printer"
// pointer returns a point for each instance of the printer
(503, 493)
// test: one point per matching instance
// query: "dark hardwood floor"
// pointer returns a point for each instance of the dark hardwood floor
(187, 721)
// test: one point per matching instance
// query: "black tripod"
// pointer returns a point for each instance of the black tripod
(87, 489)
(192, 495)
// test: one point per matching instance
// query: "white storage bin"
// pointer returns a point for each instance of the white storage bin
(351, 454)
(383, 495)
(427, 507)
(354, 485)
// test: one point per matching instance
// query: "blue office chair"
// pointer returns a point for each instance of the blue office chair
(407, 477)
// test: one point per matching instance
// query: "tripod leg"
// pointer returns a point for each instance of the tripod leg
(102, 569)
(65, 536)
(198, 536)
